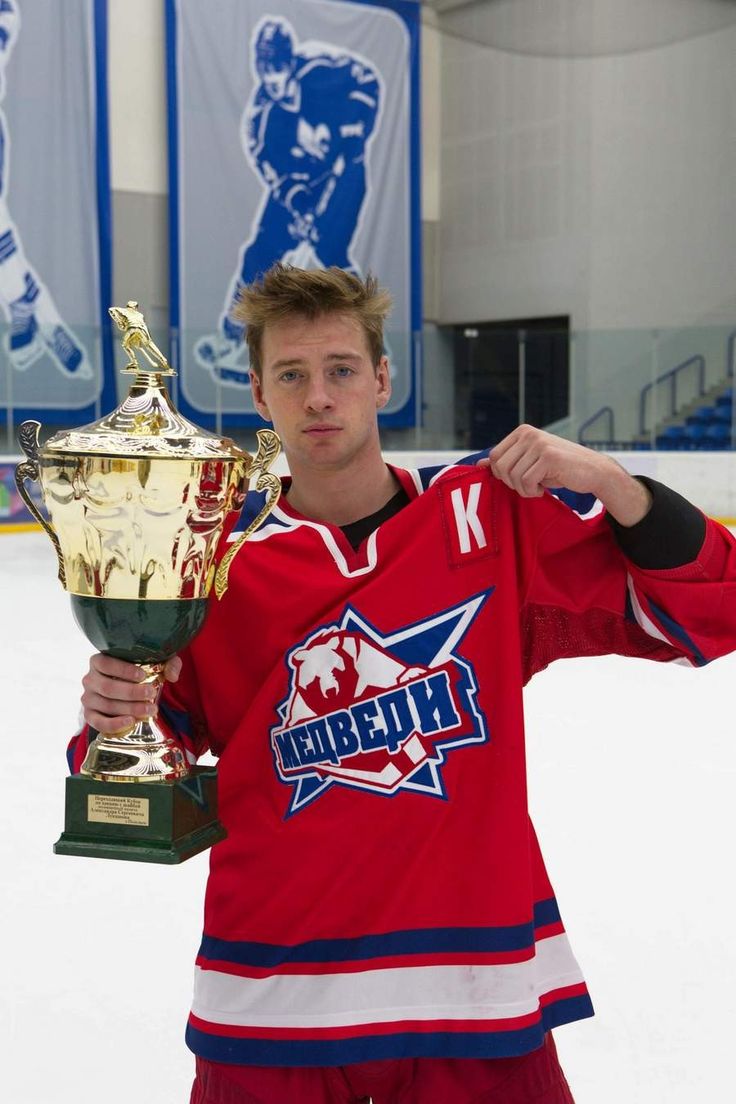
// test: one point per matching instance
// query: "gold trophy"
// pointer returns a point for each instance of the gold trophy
(136, 506)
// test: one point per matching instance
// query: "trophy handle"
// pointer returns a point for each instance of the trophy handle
(269, 447)
(29, 469)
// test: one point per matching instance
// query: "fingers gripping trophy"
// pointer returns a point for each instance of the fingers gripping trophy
(137, 503)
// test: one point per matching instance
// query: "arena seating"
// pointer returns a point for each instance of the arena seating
(708, 427)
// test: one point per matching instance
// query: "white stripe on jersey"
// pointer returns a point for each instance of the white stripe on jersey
(387, 995)
(596, 509)
(645, 622)
(289, 524)
(642, 617)
(449, 468)
(416, 480)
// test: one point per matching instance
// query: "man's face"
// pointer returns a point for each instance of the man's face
(276, 80)
(321, 390)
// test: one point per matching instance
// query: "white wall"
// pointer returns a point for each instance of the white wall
(662, 165)
(137, 96)
(599, 187)
(515, 237)
(431, 109)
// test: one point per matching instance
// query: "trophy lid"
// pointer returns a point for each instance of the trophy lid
(146, 424)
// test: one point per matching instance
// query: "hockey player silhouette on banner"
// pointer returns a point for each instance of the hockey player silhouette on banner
(306, 131)
(36, 327)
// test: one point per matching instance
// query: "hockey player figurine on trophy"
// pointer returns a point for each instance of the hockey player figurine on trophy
(137, 503)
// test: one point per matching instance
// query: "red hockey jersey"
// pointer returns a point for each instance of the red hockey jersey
(381, 892)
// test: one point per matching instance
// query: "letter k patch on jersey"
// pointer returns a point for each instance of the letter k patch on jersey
(377, 712)
(467, 517)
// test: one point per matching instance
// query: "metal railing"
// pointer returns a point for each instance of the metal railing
(670, 377)
(729, 353)
(604, 410)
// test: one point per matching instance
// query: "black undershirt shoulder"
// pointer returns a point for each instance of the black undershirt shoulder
(670, 535)
(357, 531)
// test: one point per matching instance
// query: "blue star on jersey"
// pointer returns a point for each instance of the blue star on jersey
(377, 712)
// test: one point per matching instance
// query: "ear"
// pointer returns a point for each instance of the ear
(256, 388)
(383, 383)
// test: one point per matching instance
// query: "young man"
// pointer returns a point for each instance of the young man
(379, 922)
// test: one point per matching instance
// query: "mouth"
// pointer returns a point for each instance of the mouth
(321, 430)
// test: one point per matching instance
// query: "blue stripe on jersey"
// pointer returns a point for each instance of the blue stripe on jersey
(420, 941)
(254, 501)
(71, 750)
(473, 458)
(369, 1048)
(426, 475)
(679, 634)
(546, 912)
(581, 503)
(177, 719)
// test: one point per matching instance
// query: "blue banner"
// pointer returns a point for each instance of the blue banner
(55, 287)
(294, 137)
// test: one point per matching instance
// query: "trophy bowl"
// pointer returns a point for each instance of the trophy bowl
(137, 503)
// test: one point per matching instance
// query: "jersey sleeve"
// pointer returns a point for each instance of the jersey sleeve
(181, 713)
(583, 595)
(180, 716)
(78, 745)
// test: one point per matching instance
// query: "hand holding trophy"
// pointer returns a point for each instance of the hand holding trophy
(136, 504)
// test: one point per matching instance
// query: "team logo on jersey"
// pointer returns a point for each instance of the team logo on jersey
(377, 712)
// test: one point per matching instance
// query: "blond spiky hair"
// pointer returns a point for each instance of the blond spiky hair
(285, 291)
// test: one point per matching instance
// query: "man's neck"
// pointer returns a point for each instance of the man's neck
(344, 496)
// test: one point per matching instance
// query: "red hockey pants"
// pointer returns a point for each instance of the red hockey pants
(534, 1078)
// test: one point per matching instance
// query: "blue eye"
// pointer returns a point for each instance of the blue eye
(343, 370)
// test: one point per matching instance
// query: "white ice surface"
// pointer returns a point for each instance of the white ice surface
(632, 768)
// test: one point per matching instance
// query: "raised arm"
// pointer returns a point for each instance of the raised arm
(530, 460)
(610, 562)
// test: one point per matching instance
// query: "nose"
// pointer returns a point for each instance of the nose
(318, 398)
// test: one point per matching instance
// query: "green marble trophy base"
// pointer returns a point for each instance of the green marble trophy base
(159, 822)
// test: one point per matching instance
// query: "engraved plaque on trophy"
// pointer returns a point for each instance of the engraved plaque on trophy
(136, 505)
